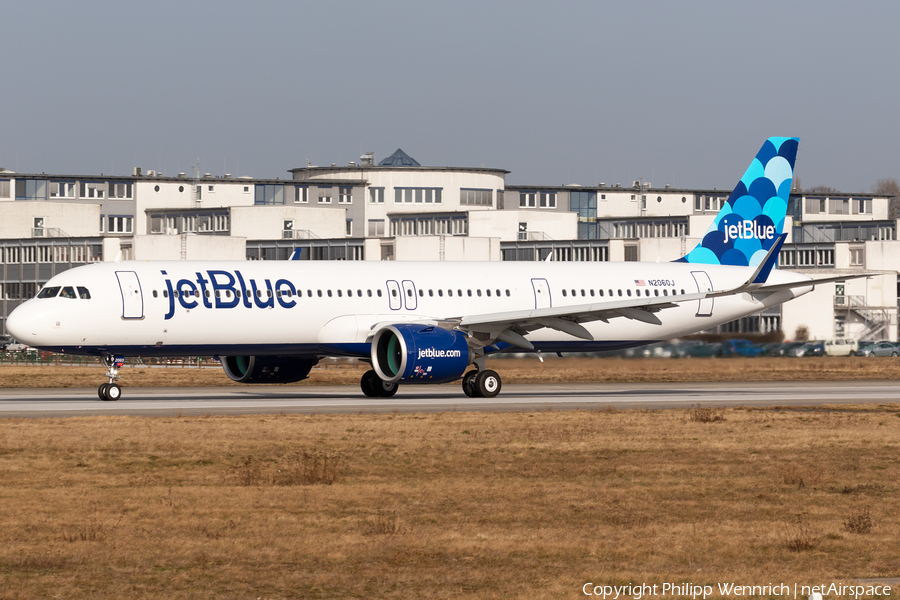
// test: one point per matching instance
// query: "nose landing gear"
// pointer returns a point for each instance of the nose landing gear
(111, 390)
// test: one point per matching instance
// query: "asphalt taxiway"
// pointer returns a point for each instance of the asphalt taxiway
(34, 403)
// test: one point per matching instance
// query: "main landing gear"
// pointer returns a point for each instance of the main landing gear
(111, 390)
(481, 384)
(374, 386)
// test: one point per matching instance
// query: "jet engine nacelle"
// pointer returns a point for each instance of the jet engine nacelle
(268, 369)
(411, 353)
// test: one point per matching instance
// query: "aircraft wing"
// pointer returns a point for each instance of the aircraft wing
(512, 326)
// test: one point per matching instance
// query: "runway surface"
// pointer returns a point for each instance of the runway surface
(348, 399)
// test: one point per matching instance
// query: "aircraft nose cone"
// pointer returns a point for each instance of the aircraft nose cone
(21, 323)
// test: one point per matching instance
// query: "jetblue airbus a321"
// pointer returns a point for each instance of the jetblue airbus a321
(420, 322)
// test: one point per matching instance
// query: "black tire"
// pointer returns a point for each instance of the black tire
(113, 392)
(488, 384)
(367, 384)
(101, 391)
(385, 389)
(468, 384)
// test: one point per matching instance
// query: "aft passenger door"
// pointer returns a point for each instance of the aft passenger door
(393, 290)
(541, 293)
(132, 299)
(704, 284)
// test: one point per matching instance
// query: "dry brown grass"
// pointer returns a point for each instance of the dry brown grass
(552, 370)
(450, 505)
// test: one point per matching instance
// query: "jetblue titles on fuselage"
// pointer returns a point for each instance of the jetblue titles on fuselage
(222, 289)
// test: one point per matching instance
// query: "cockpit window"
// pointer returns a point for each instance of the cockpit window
(68, 292)
(49, 292)
(83, 293)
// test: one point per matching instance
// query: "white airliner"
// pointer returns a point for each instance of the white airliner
(420, 322)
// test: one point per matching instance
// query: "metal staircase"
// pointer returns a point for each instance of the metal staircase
(876, 318)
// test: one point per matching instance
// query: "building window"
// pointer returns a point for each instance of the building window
(269, 195)
(418, 195)
(301, 194)
(631, 254)
(815, 206)
(211, 189)
(118, 224)
(349, 227)
(500, 205)
(862, 206)
(584, 203)
(548, 200)
(475, 197)
(62, 189)
(93, 189)
(324, 194)
(345, 196)
(246, 189)
(4, 188)
(376, 228)
(839, 206)
(288, 229)
(120, 190)
(857, 257)
(527, 199)
(31, 189)
(376, 195)
(221, 222)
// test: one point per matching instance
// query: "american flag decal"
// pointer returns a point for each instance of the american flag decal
(639, 282)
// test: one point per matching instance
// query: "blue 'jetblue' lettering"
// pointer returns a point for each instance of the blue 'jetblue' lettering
(245, 292)
(230, 291)
(280, 294)
(183, 295)
(270, 302)
(204, 294)
(228, 302)
(171, 296)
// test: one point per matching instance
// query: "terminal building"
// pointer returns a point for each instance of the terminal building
(398, 209)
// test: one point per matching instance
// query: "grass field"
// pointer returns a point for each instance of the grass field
(450, 505)
(552, 370)
(530, 505)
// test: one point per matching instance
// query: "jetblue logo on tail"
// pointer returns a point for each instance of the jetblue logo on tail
(749, 230)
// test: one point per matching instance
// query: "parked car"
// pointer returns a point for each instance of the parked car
(5, 341)
(841, 347)
(886, 349)
(865, 348)
(808, 349)
(739, 348)
(15, 346)
(784, 348)
(694, 348)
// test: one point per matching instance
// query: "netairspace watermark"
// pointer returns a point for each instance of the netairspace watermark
(637, 591)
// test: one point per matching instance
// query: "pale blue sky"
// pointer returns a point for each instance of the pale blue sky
(564, 92)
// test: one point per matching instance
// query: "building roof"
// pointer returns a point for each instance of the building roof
(399, 159)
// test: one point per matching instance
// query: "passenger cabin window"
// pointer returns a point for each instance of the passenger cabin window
(49, 292)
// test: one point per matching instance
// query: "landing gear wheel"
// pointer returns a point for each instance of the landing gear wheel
(101, 391)
(468, 384)
(487, 384)
(375, 387)
(113, 392)
(367, 384)
(386, 389)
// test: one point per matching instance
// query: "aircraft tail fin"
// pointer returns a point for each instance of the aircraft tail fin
(752, 219)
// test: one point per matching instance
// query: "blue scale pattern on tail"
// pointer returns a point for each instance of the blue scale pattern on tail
(753, 217)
